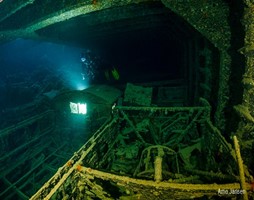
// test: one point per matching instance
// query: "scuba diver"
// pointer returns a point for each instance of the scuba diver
(112, 74)
(91, 63)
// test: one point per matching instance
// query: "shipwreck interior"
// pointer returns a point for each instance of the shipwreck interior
(166, 111)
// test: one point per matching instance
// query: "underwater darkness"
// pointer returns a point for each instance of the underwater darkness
(31, 68)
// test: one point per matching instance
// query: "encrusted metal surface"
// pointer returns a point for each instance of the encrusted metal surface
(246, 109)
(140, 155)
(211, 19)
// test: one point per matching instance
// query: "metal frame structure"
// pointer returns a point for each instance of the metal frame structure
(125, 158)
(31, 152)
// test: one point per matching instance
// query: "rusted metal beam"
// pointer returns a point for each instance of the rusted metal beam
(18, 191)
(80, 9)
(24, 123)
(190, 188)
(29, 172)
(77, 158)
(12, 7)
(24, 145)
(25, 157)
(63, 15)
(240, 167)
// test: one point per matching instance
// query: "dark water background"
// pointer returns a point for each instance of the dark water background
(31, 68)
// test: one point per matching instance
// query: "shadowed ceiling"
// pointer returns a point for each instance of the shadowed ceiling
(138, 34)
(98, 24)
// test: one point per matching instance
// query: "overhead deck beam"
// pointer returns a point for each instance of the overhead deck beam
(12, 7)
(63, 15)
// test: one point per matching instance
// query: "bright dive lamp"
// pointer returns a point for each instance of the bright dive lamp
(78, 108)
